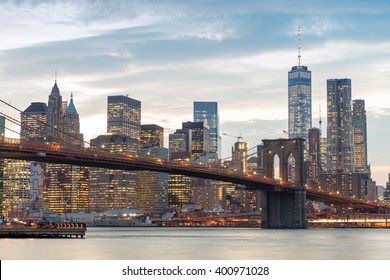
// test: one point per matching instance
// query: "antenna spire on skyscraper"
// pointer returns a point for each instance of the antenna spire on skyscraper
(55, 76)
(299, 46)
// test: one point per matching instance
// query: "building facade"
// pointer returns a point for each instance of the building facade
(152, 135)
(153, 186)
(207, 112)
(340, 155)
(54, 114)
(124, 116)
(199, 138)
(359, 123)
(299, 99)
(113, 189)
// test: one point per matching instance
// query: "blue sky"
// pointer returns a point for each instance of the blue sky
(168, 54)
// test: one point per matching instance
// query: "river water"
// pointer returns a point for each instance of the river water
(205, 244)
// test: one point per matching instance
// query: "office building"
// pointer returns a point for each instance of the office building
(200, 138)
(66, 186)
(152, 135)
(207, 112)
(314, 157)
(124, 116)
(33, 121)
(339, 129)
(71, 126)
(299, 99)
(153, 186)
(359, 123)
(54, 114)
(113, 189)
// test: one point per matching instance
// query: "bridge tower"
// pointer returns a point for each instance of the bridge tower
(284, 208)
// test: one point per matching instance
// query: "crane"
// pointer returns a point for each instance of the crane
(238, 137)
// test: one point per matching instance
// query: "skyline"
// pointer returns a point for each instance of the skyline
(168, 54)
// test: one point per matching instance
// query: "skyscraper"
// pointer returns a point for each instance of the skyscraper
(200, 138)
(113, 189)
(124, 116)
(207, 112)
(54, 114)
(34, 122)
(153, 186)
(66, 186)
(71, 126)
(299, 99)
(339, 129)
(152, 135)
(359, 123)
(2, 134)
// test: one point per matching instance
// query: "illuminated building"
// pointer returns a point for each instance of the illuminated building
(54, 114)
(359, 124)
(299, 99)
(207, 112)
(198, 138)
(153, 186)
(179, 186)
(124, 116)
(33, 121)
(340, 130)
(152, 135)
(178, 142)
(113, 189)
(71, 126)
(16, 192)
(66, 186)
(23, 180)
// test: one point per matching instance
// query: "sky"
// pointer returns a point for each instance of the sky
(168, 54)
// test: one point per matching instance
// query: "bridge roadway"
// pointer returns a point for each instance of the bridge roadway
(55, 153)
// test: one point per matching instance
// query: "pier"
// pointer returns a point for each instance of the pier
(52, 230)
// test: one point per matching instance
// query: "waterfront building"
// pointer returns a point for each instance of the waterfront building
(299, 99)
(207, 112)
(124, 116)
(179, 186)
(112, 189)
(23, 180)
(359, 123)
(153, 186)
(339, 129)
(152, 135)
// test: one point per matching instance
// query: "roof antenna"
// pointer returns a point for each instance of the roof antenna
(55, 76)
(299, 46)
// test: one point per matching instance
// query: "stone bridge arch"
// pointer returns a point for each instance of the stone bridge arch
(284, 148)
(284, 208)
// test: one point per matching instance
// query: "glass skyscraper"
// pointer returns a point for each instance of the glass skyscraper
(124, 116)
(359, 122)
(339, 130)
(207, 112)
(299, 100)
